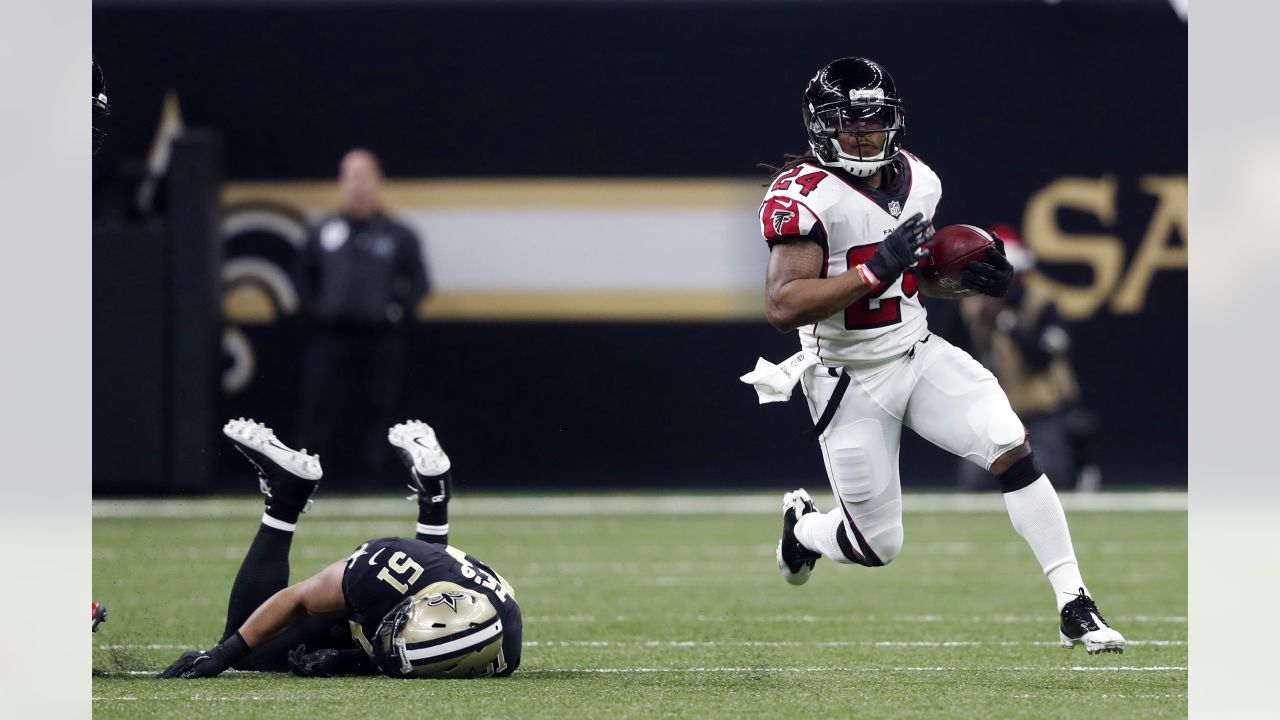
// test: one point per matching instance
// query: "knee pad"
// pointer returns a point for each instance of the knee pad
(859, 460)
(996, 426)
(887, 543)
(874, 539)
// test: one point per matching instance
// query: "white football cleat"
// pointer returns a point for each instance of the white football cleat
(268, 455)
(259, 438)
(418, 447)
(259, 445)
(795, 561)
(418, 441)
(1082, 624)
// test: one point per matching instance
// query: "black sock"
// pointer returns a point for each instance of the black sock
(433, 516)
(288, 498)
(1021, 474)
(287, 495)
(285, 513)
(263, 573)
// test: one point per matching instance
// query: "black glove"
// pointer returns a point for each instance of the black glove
(321, 663)
(903, 246)
(207, 663)
(991, 277)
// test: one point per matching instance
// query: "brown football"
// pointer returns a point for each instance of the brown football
(952, 248)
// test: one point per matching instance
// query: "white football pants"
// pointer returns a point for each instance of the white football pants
(939, 391)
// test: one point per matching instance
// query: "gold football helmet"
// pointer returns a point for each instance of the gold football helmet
(442, 631)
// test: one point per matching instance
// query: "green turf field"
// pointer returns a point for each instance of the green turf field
(633, 611)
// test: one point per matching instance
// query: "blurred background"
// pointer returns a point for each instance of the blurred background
(582, 179)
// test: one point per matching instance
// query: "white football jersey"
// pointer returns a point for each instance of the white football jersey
(848, 220)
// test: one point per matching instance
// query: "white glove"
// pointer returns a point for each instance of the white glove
(774, 383)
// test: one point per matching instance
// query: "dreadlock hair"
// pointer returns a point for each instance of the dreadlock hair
(789, 161)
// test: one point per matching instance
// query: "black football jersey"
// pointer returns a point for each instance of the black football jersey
(381, 573)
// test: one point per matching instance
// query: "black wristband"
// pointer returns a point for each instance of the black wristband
(232, 649)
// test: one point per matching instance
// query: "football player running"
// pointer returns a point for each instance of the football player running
(845, 225)
(402, 607)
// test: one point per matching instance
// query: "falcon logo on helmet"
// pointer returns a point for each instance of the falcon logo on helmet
(853, 95)
(442, 631)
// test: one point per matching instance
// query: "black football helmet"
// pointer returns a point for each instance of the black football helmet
(842, 97)
(100, 107)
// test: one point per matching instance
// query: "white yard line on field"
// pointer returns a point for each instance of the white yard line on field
(825, 619)
(862, 669)
(747, 643)
(1020, 668)
(1134, 668)
(613, 504)
(201, 698)
(820, 644)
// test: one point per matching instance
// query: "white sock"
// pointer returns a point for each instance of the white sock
(1037, 515)
(278, 524)
(436, 530)
(817, 531)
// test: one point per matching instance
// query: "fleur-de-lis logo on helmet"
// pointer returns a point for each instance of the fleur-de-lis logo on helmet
(449, 598)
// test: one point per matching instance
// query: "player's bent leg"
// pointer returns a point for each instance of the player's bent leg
(876, 536)
(430, 477)
(288, 478)
(1037, 515)
(868, 534)
(859, 450)
(958, 406)
(861, 463)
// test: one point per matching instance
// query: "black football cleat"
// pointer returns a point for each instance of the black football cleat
(98, 613)
(795, 561)
(1082, 624)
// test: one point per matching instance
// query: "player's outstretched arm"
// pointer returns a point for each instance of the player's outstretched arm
(320, 594)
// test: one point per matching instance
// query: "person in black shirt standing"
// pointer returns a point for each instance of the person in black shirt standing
(361, 276)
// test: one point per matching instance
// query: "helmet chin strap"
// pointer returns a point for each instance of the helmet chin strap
(862, 168)
(858, 167)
